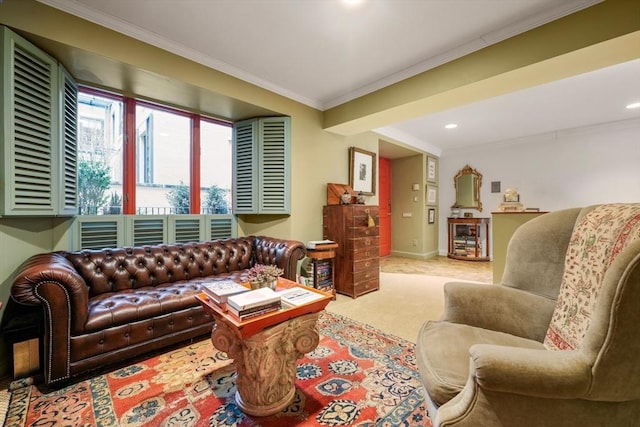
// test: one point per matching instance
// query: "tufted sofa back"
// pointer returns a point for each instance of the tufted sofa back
(112, 270)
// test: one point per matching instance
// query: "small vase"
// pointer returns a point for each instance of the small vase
(272, 283)
(257, 285)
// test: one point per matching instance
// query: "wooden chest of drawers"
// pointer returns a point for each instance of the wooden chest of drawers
(357, 263)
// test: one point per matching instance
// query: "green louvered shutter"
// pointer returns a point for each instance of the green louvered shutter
(221, 227)
(262, 166)
(98, 232)
(146, 229)
(39, 133)
(274, 165)
(186, 228)
(29, 98)
(69, 145)
(245, 162)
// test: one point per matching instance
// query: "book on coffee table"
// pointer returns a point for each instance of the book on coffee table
(220, 290)
(299, 296)
(255, 311)
(256, 298)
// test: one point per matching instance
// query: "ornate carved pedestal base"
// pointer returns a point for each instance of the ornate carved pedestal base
(266, 362)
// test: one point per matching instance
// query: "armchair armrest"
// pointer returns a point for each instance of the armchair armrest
(281, 252)
(34, 282)
(531, 372)
(541, 373)
(498, 308)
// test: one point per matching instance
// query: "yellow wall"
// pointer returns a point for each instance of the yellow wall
(411, 236)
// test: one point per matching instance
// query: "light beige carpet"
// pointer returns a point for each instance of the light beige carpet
(403, 303)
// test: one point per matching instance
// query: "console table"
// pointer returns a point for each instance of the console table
(265, 350)
(469, 239)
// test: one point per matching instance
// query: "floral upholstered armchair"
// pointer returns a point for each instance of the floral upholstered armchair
(557, 343)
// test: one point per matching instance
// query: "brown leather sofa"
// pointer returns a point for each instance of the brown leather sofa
(104, 306)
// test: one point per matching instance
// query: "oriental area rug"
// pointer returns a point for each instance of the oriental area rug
(357, 376)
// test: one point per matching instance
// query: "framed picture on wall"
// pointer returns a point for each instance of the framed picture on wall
(431, 169)
(432, 195)
(431, 217)
(362, 171)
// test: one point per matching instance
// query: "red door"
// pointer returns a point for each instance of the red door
(384, 198)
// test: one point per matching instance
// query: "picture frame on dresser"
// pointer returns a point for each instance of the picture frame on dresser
(362, 171)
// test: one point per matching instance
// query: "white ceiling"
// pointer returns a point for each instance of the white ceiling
(323, 53)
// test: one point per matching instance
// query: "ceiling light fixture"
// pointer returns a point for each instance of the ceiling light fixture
(352, 3)
(451, 126)
(634, 105)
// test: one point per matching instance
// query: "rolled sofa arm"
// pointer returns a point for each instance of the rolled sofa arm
(281, 252)
(51, 280)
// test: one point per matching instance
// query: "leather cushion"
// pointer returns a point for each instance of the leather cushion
(131, 305)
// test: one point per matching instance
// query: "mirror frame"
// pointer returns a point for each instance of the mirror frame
(468, 170)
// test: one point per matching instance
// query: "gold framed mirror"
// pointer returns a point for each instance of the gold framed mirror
(468, 182)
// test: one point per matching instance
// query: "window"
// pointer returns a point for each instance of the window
(164, 147)
(100, 144)
(162, 170)
(215, 167)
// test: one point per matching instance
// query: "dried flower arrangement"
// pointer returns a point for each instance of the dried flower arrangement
(263, 273)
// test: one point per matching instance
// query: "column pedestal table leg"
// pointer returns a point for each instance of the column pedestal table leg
(266, 362)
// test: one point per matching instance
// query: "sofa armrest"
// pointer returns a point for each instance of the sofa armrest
(281, 252)
(531, 372)
(51, 281)
(498, 308)
(35, 279)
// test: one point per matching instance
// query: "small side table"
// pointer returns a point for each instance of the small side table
(23, 333)
(323, 269)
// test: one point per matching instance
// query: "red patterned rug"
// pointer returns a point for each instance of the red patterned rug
(357, 376)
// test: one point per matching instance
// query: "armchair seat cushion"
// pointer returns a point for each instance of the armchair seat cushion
(444, 362)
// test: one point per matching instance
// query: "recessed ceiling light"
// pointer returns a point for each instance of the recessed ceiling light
(634, 105)
(451, 126)
(352, 3)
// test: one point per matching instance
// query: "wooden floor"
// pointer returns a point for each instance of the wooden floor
(439, 266)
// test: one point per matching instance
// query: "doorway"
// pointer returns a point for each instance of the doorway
(384, 199)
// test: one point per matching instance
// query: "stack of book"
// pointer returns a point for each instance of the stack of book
(323, 275)
(321, 245)
(254, 303)
(219, 291)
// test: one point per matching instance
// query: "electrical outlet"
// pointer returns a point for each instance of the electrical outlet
(407, 214)
(414, 242)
